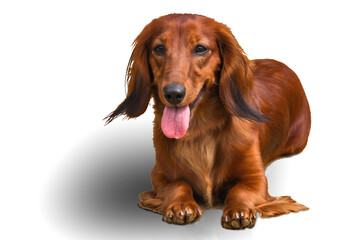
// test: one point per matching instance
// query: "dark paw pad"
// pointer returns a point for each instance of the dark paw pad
(183, 213)
(238, 218)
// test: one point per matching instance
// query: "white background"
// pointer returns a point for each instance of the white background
(63, 175)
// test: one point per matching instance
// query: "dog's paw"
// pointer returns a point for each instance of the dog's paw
(238, 218)
(183, 213)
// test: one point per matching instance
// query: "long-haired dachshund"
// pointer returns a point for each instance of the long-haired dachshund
(220, 120)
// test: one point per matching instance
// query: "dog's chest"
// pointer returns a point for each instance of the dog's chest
(198, 156)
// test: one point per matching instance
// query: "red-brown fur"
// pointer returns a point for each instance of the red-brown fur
(250, 114)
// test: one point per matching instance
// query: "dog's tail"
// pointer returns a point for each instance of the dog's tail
(276, 206)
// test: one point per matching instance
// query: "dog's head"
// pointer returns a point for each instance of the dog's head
(177, 57)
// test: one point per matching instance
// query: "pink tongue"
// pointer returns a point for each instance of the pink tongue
(175, 121)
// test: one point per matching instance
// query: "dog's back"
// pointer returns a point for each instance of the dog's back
(278, 91)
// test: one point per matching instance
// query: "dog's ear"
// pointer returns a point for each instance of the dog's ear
(235, 81)
(138, 79)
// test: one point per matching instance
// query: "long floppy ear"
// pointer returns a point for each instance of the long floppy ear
(235, 81)
(138, 79)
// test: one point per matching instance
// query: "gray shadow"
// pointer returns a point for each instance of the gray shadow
(96, 192)
(276, 174)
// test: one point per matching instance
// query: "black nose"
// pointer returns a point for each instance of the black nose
(174, 93)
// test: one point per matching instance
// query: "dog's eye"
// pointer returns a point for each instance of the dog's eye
(200, 49)
(160, 50)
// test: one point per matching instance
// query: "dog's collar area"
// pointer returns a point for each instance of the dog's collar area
(199, 95)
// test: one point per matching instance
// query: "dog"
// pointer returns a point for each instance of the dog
(220, 120)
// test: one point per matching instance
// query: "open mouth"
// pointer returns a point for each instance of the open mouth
(198, 97)
(175, 120)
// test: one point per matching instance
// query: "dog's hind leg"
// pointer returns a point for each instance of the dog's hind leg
(149, 202)
(276, 206)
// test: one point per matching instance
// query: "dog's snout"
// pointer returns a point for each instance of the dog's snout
(174, 93)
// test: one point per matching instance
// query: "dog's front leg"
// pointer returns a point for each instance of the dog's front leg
(171, 198)
(249, 191)
(179, 204)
